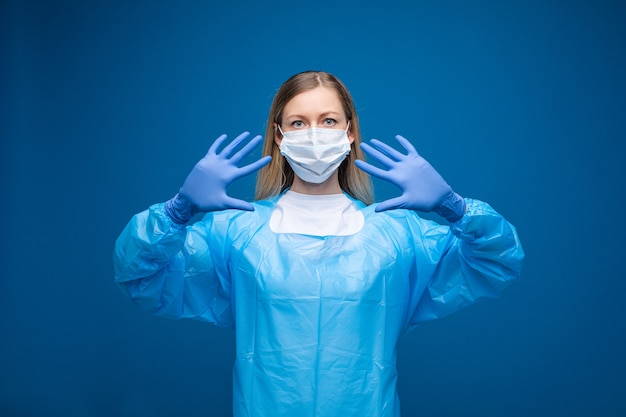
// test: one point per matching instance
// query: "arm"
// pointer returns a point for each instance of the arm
(168, 270)
(478, 256)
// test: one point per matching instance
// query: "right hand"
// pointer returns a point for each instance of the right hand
(205, 187)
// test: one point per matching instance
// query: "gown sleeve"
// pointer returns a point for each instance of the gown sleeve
(476, 257)
(169, 270)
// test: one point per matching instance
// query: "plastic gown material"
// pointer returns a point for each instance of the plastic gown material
(317, 318)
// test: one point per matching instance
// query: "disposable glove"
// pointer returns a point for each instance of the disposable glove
(205, 187)
(422, 187)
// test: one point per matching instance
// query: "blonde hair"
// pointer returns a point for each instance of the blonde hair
(277, 176)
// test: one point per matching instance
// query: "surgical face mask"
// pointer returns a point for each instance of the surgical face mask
(315, 153)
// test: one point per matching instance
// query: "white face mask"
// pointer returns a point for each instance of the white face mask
(315, 153)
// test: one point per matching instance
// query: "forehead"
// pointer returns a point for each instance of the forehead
(318, 99)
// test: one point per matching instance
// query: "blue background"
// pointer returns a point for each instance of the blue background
(106, 106)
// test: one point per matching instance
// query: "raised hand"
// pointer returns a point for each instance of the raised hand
(422, 187)
(205, 187)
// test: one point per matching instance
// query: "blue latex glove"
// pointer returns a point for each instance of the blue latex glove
(422, 187)
(205, 187)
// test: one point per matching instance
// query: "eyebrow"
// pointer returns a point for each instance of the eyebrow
(327, 113)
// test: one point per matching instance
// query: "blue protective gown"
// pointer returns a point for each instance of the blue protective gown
(317, 319)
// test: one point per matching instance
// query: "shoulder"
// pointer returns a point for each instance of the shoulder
(228, 219)
(404, 224)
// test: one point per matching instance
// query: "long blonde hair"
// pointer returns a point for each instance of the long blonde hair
(277, 176)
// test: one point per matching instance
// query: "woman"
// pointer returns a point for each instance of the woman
(318, 282)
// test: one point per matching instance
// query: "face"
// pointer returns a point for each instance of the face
(319, 107)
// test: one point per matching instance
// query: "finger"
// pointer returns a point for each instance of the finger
(235, 203)
(230, 148)
(387, 150)
(243, 152)
(406, 144)
(377, 155)
(390, 204)
(372, 170)
(216, 144)
(254, 166)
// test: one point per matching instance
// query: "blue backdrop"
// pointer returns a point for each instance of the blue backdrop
(106, 106)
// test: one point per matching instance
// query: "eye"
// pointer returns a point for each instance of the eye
(329, 122)
(297, 124)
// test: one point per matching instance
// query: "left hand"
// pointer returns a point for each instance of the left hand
(422, 187)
